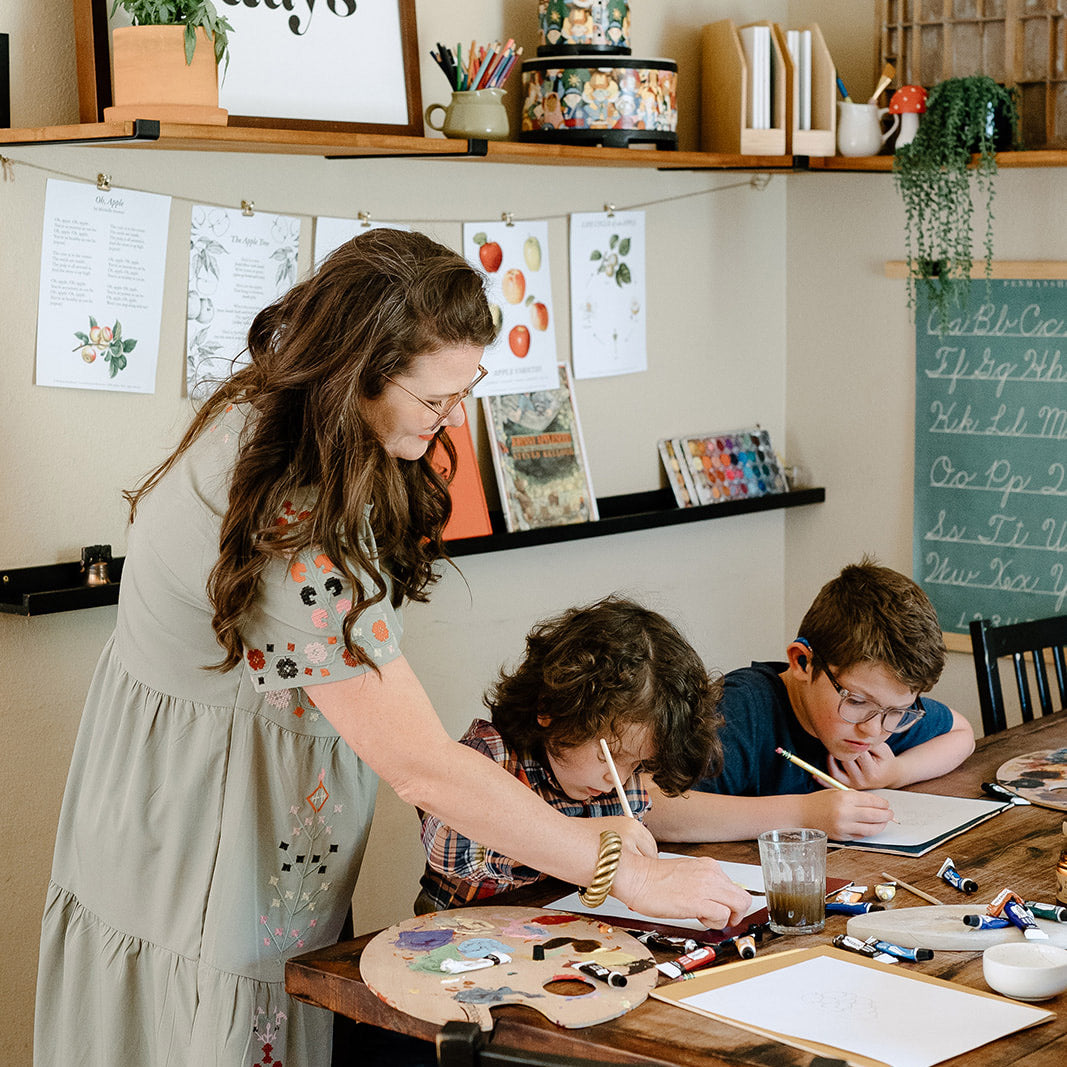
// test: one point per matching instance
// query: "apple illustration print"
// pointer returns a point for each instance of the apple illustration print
(513, 285)
(489, 252)
(519, 341)
(106, 341)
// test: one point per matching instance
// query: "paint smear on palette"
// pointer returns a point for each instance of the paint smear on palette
(523, 931)
(554, 944)
(477, 948)
(559, 919)
(423, 940)
(493, 996)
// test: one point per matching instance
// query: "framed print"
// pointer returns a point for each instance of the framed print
(345, 66)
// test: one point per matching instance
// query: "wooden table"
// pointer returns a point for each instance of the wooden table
(1017, 848)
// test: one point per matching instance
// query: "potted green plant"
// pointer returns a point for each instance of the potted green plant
(157, 69)
(934, 175)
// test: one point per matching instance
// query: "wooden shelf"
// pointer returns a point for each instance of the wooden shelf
(61, 586)
(1041, 158)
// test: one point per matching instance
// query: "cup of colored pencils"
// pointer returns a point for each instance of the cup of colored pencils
(477, 108)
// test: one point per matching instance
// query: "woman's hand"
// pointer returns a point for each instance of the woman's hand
(845, 815)
(682, 888)
(636, 837)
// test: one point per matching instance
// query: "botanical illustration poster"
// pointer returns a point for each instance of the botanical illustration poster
(514, 257)
(331, 233)
(539, 457)
(238, 264)
(101, 296)
(608, 293)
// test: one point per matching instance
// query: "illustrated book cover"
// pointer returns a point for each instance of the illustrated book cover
(539, 457)
(731, 466)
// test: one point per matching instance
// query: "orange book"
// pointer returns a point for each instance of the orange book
(470, 513)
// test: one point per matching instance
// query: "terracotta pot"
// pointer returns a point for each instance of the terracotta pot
(151, 80)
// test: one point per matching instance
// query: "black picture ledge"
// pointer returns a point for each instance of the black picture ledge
(61, 586)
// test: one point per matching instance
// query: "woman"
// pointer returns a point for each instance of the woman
(222, 784)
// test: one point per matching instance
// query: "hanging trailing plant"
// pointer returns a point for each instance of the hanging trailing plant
(934, 176)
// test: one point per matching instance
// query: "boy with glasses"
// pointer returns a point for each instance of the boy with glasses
(847, 701)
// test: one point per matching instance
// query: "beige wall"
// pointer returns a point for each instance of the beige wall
(764, 305)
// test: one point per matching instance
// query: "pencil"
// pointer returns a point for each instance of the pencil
(911, 889)
(821, 775)
(615, 778)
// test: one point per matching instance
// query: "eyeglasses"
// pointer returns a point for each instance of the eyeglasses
(856, 709)
(442, 408)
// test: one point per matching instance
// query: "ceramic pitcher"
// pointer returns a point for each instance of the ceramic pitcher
(859, 128)
(472, 113)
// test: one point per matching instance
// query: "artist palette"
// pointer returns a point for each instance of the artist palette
(717, 467)
(402, 965)
(1040, 777)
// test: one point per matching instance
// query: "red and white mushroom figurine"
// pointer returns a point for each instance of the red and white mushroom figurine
(909, 102)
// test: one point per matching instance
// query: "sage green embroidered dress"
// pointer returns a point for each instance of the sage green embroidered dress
(213, 824)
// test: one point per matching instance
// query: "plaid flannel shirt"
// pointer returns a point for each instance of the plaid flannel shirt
(459, 870)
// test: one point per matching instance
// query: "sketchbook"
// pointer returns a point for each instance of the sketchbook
(924, 821)
(839, 1006)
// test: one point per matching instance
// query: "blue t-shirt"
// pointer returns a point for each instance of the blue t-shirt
(760, 718)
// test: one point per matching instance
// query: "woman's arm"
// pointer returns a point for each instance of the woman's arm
(389, 722)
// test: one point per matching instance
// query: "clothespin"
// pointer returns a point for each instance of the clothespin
(610, 209)
(103, 182)
(506, 217)
(248, 208)
(364, 218)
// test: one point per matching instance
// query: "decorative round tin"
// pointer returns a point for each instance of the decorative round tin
(618, 102)
(578, 27)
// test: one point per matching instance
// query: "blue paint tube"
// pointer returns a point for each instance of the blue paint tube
(948, 873)
(836, 908)
(914, 955)
(1056, 913)
(854, 944)
(986, 922)
(1011, 907)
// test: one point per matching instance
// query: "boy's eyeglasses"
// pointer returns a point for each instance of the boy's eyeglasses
(442, 408)
(856, 709)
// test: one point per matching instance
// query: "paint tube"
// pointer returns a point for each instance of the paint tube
(1056, 913)
(986, 922)
(948, 873)
(833, 908)
(850, 894)
(995, 789)
(854, 944)
(745, 945)
(914, 955)
(601, 973)
(699, 957)
(666, 942)
(462, 966)
(1010, 906)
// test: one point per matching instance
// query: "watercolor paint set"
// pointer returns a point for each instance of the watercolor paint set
(712, 468)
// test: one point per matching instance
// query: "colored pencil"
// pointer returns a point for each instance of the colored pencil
(821, 775)
(616, 779)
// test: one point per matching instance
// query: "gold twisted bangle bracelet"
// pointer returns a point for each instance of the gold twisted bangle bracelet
(607, 863)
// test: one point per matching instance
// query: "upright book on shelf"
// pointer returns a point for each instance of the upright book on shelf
(539, 457)
(470, 512)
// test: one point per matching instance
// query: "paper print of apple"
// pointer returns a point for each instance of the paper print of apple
(531, 252)
(519, 341)
(513, 285)
(539, 316)
(489, 252)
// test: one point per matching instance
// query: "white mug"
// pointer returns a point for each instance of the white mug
(859, 128)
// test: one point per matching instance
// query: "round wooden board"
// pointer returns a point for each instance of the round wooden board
(1040, 777)
(942, 927)
(402, 966)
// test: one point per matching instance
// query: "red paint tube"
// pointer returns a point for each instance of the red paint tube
(699, 957)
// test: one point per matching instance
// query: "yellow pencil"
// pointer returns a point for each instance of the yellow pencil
(616, 779)
(821, 775)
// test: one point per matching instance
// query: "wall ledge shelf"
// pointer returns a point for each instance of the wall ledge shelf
(61, 586)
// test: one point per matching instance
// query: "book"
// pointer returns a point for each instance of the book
(678, 476)
(756, 43)
(731, 466)
(539, 457)
(470, 512)
(924, 821)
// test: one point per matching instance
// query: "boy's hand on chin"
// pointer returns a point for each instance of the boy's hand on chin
(873, 769)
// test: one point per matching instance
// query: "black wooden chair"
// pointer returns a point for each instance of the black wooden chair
(1019, 640)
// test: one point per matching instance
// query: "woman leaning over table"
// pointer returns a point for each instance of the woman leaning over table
(223, 780)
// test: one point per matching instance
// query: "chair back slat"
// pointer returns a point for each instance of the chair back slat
(1037, 638)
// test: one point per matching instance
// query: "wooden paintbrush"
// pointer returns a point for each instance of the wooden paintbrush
(887, 76)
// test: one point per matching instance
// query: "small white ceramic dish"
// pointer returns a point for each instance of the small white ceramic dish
(1026, 970)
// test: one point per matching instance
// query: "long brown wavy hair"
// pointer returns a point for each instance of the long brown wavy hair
(375, 304)
(594, 671)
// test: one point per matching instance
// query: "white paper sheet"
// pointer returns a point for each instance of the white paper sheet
(748, 875)
(880, 1014)
(238, 264)
(102, 260)
(607, 259)
(514, 258)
